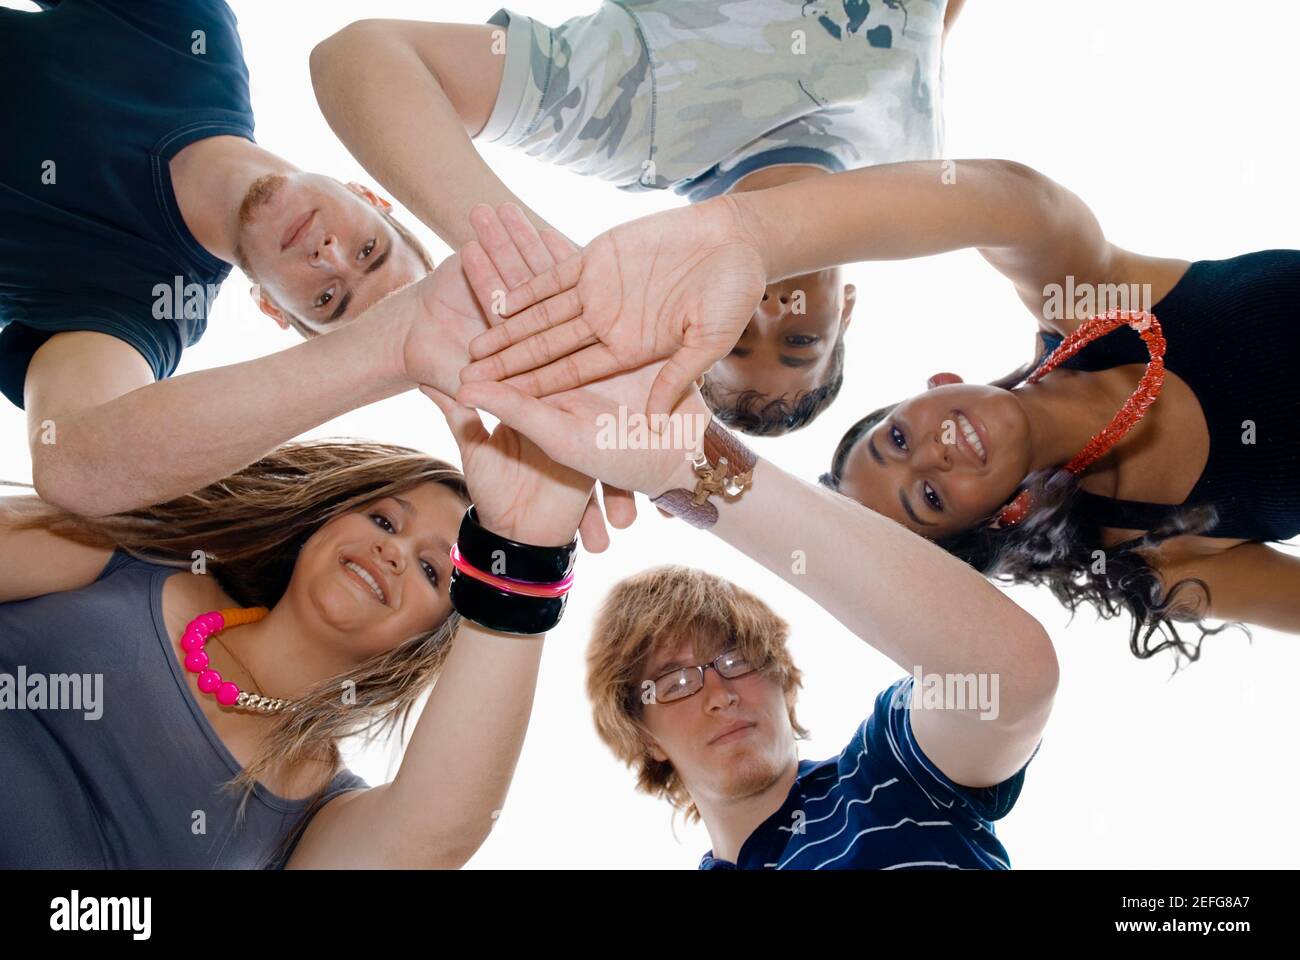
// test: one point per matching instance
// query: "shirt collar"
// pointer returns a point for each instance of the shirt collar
(769, 839)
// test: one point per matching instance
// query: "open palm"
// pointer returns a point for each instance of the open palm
(678, 286)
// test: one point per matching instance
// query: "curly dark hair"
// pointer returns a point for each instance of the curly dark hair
(760, 415)
(1058, 547)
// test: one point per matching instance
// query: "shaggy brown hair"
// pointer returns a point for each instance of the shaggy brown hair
(651, 613)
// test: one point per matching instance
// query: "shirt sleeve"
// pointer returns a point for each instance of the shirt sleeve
(159, 344)
(120, 558)
(887, 734)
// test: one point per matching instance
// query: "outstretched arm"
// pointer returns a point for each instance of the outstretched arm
(1029, 227)
(905, 596)
(405, 97)
(105, 439)
(680, 285)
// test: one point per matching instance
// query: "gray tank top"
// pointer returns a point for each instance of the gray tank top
(106, 760)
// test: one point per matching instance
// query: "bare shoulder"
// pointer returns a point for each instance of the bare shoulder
(1154, 277)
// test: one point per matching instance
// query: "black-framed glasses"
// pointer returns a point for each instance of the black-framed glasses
(685, 681)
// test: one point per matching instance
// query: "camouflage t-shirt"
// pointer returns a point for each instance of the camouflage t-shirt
(656, 94)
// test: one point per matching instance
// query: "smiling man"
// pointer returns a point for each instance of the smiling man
(130, 182)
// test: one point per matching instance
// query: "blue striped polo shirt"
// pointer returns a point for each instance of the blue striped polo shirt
(880, 805)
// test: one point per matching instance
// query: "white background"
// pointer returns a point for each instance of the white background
(1175, 121)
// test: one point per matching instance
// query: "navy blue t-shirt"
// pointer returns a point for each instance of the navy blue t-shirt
(99, 96)
(880, 805)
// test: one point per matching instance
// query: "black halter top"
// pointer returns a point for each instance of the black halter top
(1233, 334)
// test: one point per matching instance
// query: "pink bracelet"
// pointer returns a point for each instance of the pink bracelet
(527, 588)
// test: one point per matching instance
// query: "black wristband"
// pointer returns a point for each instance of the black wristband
(509, 558)
(497, 610)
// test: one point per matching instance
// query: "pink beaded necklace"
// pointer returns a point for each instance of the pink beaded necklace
(196, 635)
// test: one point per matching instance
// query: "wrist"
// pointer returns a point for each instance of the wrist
(538, 523)
(391, 330)
(537, 535)
(683, 477)
(720, 473)
(749, 224)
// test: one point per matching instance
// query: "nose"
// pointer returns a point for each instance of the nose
(773, 306)
(934, 452)
(326, 253)
(390, 555)
(718, 692)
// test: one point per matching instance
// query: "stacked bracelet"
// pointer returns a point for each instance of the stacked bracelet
(505, 585)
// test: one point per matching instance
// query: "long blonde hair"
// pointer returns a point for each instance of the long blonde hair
(250, 527)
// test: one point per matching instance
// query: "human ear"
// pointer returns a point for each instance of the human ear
(368, 195)
(850, 301)
(942, 379)
(267, 306)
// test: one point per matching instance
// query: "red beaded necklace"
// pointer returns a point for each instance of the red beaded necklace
(1133, 410)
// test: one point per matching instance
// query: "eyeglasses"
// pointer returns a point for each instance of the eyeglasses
(684, 681)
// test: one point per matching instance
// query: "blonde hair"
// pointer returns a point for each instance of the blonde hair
(654, 612)
(250, 527)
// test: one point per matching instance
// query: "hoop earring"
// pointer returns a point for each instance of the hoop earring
(1014, 512)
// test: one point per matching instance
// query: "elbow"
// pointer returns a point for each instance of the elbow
(330, 55)
(336, 54)
(1038, 673)
(445, 853)
(59, 488)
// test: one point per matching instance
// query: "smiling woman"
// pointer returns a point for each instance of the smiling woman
(276, 535)
(303, 599)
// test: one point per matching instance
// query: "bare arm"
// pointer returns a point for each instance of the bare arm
(916, 604)
(908, 598)
(104, 439)
(405, 97)
(1251, 582)
(905, 596)
(1028, 227)
(950, 15)
(681, 284)
(35, 562)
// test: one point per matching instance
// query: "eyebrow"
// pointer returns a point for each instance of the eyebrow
(371, 267)
(342, 307)
(379, 261)
(789, 361)
(902, 497)
(406, 505)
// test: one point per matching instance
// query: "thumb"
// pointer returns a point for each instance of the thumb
(675, 378)
(466, 426)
